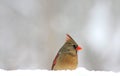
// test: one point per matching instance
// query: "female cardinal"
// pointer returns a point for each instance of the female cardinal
(67, 57)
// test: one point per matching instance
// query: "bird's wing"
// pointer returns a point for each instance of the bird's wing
(54, 62)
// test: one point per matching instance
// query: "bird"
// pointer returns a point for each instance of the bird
(67, 58)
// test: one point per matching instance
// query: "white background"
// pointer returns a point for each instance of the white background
(32, 32)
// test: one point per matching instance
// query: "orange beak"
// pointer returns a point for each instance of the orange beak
(78, 48)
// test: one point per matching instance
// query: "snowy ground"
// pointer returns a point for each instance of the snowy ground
(77, 72)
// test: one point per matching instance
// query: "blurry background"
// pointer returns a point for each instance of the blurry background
(32, 32)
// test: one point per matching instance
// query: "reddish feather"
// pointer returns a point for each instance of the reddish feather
(68, 37)
(54, 62)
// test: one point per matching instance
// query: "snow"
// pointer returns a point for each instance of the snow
(78, 72)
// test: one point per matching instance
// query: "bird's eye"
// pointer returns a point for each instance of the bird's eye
(75, 46)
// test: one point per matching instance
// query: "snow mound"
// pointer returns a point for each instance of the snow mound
(77, 72)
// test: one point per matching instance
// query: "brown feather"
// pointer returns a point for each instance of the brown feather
(54, 61)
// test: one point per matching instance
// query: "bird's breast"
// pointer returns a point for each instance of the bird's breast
(66, 61)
